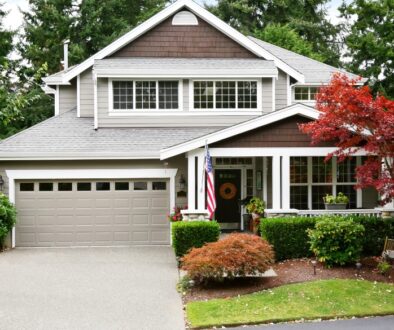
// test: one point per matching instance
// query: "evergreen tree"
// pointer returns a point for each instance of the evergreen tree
(306, 17)
(370, 42)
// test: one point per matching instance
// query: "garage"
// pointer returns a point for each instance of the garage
(92, 212)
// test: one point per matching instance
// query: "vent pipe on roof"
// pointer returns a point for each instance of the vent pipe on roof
(65, 51)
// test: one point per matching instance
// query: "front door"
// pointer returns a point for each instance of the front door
(228, 194)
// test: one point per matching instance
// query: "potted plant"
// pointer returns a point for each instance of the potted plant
(176, 215)
(255, 207)
(336, 203)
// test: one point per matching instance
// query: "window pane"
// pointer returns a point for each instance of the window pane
(203, 94)
(26, 186)
(346, 170)
(301, 93)
(318, 192)
(350, 192)
(298, 169)
(159, 185)
(84, 186)
(140, 185)
(102, 186)
(225, 95)
(321, 170)
(312, 93)
(299, 197)
(45, 186)
(122, 95)
(65, 186)
(168, 94)
(145, 94)
(247, 94)
(121, 186)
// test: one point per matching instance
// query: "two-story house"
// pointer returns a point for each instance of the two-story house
(126, 142)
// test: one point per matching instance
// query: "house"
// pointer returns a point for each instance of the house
(126, 142)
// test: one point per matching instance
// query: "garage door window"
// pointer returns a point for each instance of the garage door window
(84, 186)
(26, 186)
(159, 185)
(140, 185)
(102, 186)
(65, 186)
(46, 186)
(121, 186)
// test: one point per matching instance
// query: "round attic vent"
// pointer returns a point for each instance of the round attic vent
(184, 18)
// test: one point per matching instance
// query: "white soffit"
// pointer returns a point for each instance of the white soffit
(272, 117)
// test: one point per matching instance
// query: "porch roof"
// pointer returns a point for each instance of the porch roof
(261, 121)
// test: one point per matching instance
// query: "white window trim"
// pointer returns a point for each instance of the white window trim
(13, 175)
(240, 111)
(334, 183)
(130, 112)
(309, 100)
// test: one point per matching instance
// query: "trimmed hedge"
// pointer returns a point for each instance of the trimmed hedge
(290, 240)
(190, 234)
(288, 236)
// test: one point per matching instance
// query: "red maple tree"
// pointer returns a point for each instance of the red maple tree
(353, 119)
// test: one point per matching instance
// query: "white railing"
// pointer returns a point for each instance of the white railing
(315, 213)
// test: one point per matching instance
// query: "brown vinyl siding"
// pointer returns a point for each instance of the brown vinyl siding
(284, 133)
(197, 41)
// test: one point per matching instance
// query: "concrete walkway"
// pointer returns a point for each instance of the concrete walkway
(90, 288)
(373, 323)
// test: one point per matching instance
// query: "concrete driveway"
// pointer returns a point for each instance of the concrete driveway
(90, 288)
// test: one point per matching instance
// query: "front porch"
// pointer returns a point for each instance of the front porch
(291, 181)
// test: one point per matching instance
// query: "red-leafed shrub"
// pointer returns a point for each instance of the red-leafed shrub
(236, 255)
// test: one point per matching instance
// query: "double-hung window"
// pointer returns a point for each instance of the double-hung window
(145, 95)
(229, 95)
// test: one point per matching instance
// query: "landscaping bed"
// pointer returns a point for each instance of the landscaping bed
(322, 299)
(289, 271)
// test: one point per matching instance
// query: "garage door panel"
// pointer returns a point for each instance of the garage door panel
(89, 218)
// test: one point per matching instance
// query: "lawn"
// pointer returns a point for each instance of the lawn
(310, 300)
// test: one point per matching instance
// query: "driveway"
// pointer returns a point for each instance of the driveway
(90, 288)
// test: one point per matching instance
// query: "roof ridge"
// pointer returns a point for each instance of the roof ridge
(254, 39)
(35, 126)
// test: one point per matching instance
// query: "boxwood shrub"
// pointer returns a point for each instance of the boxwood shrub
(288, 236)
(189, 234)
(290, 240)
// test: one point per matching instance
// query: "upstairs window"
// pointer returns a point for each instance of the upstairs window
(230, 95)
(145, 95)
(305, 93)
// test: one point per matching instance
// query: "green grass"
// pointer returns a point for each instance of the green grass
(319, 299)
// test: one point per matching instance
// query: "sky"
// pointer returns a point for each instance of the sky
(14, 18)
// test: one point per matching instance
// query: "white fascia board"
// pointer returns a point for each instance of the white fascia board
(48, 90)
(65, 156)
(187, 76)
(296, 109)
(164, 14)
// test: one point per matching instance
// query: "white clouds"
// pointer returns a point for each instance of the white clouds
(14, 18)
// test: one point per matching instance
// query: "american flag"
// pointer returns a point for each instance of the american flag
(211, 201)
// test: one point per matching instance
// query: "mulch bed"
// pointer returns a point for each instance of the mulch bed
(290, 271)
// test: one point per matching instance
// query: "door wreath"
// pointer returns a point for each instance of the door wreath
(228, 190)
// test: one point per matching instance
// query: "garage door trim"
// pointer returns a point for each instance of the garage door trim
(160, 173)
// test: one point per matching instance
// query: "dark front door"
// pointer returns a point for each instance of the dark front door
(228, 193)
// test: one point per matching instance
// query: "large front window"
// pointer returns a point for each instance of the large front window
(229, 95)
(311, 178)
(145, 95)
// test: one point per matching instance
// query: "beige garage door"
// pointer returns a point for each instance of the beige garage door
(92, 213)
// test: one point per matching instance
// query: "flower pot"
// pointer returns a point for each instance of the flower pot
(336, 206)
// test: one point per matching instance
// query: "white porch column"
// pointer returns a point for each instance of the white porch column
(191, 182)
(200, 181)
(276, 182)
(285, 182)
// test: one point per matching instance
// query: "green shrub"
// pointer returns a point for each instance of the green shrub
(376, 231)
(288, 236)
(190, 234)
(336, 241)
(7, 217)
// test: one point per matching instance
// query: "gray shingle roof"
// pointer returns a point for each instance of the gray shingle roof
(67, 136)
(184, 67)
(315, 72)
